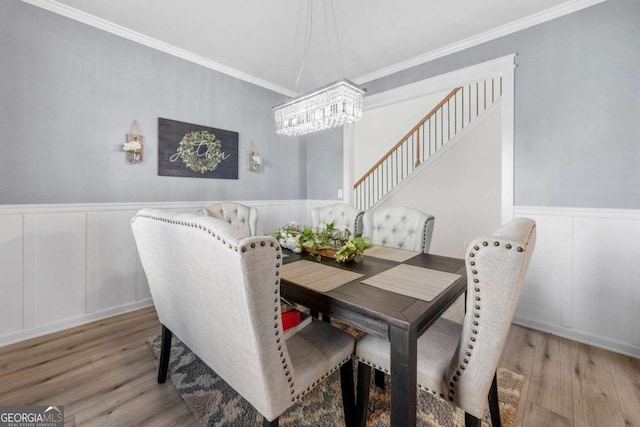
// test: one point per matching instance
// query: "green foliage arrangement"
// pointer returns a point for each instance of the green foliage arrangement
(201, 151)
(341, 245)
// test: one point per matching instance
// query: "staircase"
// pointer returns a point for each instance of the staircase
(456, 111)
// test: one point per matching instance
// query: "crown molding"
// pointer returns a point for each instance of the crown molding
(441, 82)
(118, 30)
(102, 24)
(512, 27)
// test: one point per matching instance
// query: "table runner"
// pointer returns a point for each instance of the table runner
(316, 276)
(416, 282)
(392, 254)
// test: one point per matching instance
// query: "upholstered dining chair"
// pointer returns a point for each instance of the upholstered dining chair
(219, 292)
(399, 227)
(458, 362)
(242, 217)
(341, 215)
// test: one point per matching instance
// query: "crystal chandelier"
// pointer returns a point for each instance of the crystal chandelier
(334, 105)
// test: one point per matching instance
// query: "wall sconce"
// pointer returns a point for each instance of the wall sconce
(254, 158)
(134, 146)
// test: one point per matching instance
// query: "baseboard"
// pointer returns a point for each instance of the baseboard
(582, 337)
(73, 322)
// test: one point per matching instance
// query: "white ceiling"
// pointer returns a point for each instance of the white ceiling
(255, 38)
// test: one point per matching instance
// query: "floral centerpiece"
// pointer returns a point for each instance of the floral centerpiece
(330, 241)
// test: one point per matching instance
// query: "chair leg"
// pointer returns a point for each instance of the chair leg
(267, 423)
(471, 421)
(465, 302)
(362, 402)
(165, 351)
(348, 397)
(494, 405)
(379, 379)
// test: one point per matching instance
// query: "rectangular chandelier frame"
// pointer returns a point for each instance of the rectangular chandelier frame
(334, 105)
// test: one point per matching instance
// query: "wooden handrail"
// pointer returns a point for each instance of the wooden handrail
(415, 128)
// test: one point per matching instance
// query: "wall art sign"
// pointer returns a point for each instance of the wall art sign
(196, 151)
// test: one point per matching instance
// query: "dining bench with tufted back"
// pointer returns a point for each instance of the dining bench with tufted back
(399, 227)
(219, 292)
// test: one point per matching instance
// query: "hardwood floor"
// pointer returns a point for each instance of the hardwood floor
(105, 375)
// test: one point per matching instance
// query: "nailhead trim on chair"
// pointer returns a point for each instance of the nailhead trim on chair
(476, 308)
(316, 382)
(373, 365)
(424, 232)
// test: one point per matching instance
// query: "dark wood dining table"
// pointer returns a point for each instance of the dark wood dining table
(396, 318)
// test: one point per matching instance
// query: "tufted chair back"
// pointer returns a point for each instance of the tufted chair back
(219, 292)
(399, 227)
(341, 215)
(242, 217)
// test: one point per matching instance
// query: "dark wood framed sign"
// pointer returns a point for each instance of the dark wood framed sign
(196, 151)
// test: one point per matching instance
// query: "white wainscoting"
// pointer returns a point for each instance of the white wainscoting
(582, 283)
(66, 265)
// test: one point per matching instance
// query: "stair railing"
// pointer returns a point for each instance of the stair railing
(441, 124)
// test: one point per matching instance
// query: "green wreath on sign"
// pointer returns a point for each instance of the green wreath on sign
(201, 151)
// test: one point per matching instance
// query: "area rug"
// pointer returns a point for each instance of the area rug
(215, 403)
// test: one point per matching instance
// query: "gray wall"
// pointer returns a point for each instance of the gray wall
(577, 106)
(324, 164)
(68, 95)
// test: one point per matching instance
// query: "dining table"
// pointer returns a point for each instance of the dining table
(391, 294)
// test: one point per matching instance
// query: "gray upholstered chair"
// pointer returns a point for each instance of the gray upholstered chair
(458, 362)
(244, 218)
(341, 215)
(399, 227)
(219, 292)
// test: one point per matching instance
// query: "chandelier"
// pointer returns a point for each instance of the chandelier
(334, 105)
(331, 106)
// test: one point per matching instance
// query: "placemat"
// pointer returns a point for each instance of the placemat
(316, 276)
(416, 282)
(392, 254)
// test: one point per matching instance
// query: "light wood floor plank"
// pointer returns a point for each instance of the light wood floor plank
(625, 372)
(519, 350)
(595, 402)
(81, 343)
(55, 371)
(537, 416)
(134, 406)
(550, 385)
(69, 420)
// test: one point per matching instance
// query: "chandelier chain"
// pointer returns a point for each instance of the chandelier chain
(334, 105)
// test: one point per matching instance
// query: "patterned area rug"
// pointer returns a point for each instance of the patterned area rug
(214, 403)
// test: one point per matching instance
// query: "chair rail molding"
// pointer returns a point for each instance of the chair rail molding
(582, 284)
(65, 265)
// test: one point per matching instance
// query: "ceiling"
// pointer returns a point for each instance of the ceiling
(257, 39)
